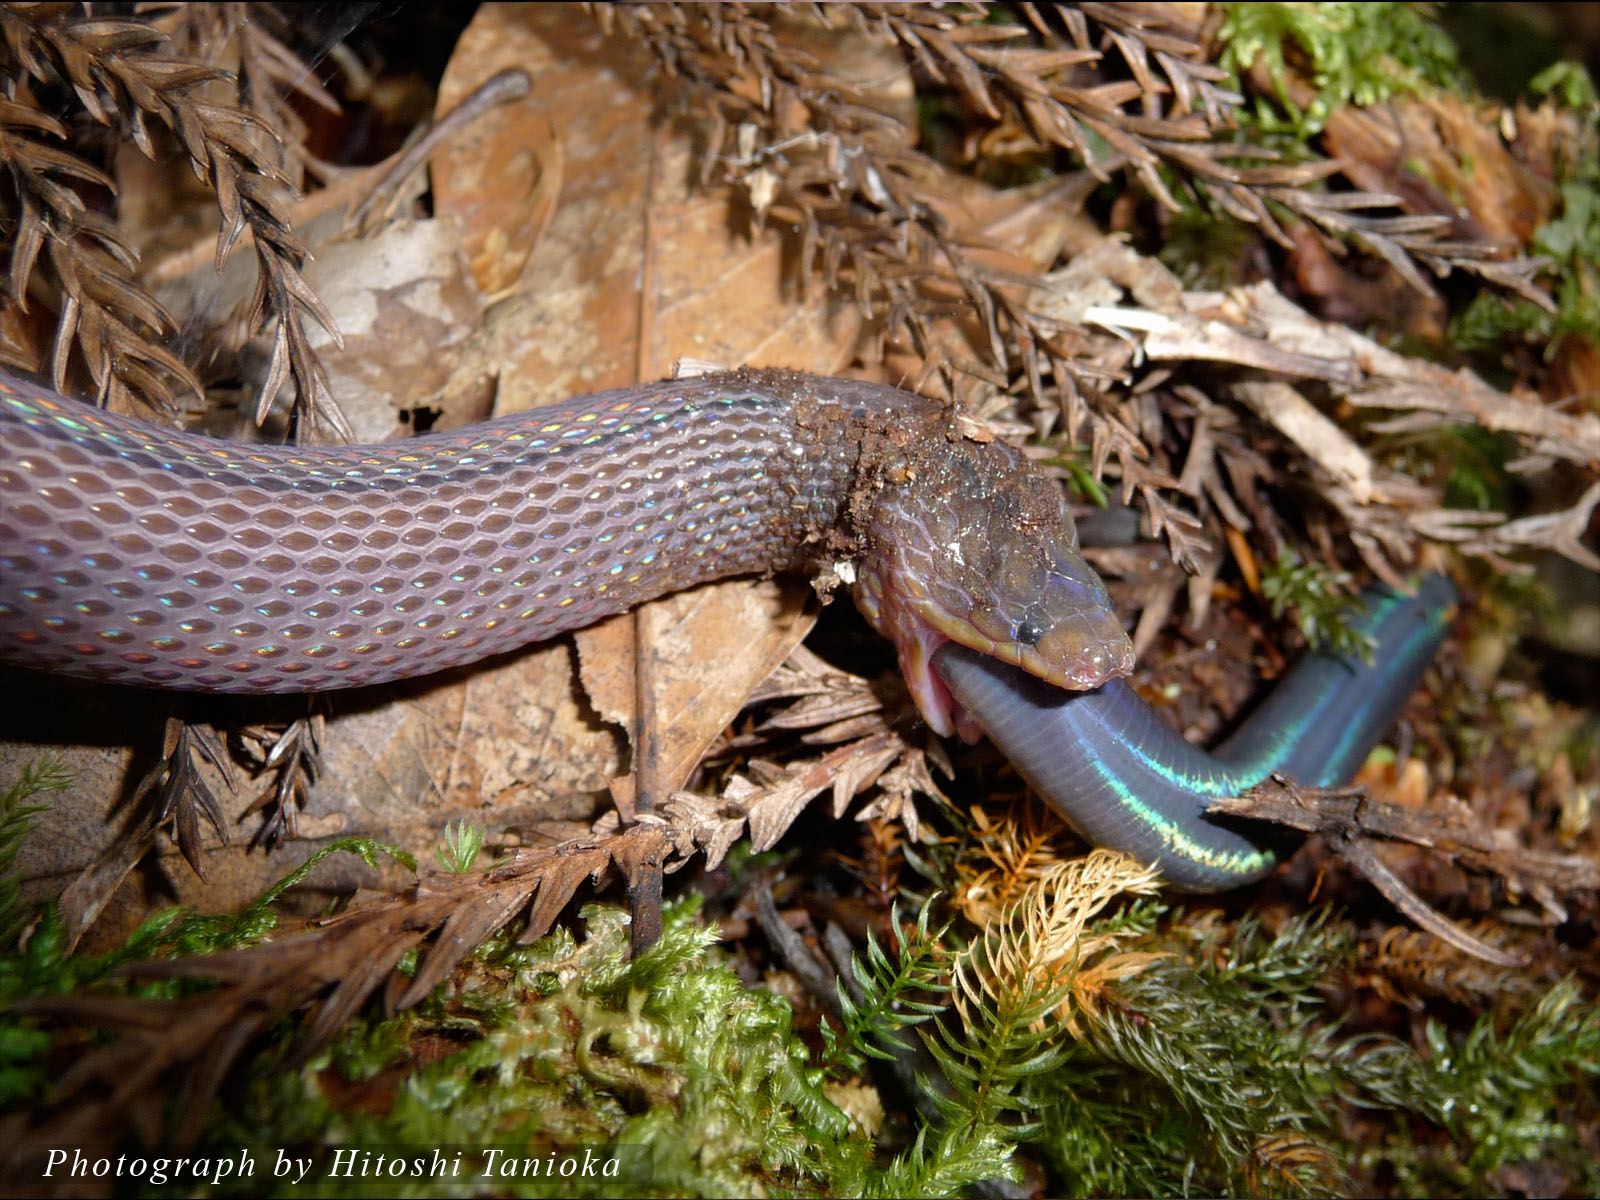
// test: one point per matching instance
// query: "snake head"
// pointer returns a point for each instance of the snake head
(967, 542)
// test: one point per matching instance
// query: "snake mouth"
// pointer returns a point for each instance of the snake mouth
(1079, 653)
(1077, 660)
(1069, 636)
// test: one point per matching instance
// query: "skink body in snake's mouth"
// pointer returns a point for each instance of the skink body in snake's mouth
(1125, 778)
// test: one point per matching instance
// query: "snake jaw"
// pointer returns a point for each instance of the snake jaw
(1073, 638)
(1085, 644)
(977, 547)
(1079, 654)
(915, 641)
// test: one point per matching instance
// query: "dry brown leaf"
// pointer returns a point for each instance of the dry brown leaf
(407, 308)
(500, 181)
(701, 681)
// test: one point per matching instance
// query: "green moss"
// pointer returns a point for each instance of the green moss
(1520, 1098)
(1570, 239)
(1568, 84)
(1213, 1065)
(1220, 1070)
(695, 1082)
(16, 822)
(1204, 1056)
(459, 847)
(1356, 53)
(897, 993)
(1323, 609)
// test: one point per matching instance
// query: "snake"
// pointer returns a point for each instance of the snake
(139, 555)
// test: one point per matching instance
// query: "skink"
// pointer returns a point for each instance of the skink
(1126, 779)
(138, 555)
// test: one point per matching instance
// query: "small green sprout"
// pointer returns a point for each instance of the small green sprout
(459, 846)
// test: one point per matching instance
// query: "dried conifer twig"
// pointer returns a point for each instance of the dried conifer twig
(126, 69)
(334, 967)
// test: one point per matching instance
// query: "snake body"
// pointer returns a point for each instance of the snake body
(138, 555)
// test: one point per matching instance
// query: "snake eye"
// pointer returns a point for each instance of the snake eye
(1029, 631)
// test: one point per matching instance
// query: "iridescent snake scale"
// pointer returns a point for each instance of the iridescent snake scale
(137, 555)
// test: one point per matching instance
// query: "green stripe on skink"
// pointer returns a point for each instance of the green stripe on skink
(1127, 780)
(1330, 709)
(1178, 836)
(1278, 739)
